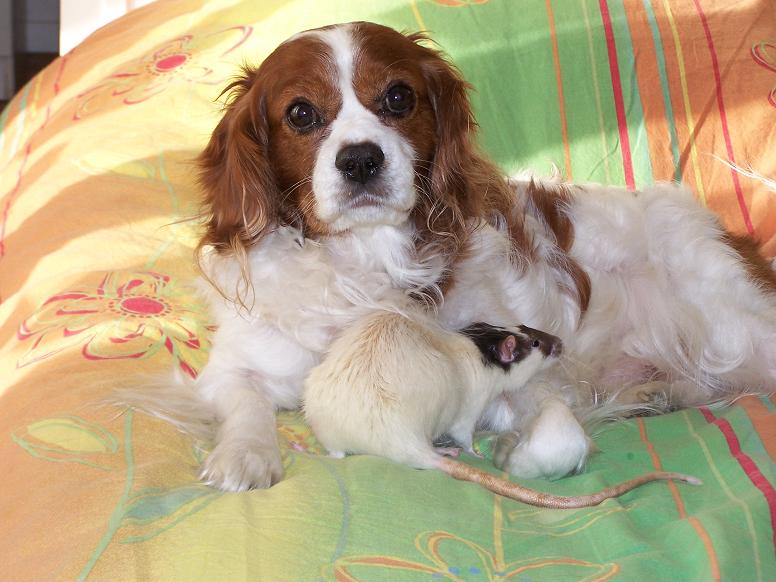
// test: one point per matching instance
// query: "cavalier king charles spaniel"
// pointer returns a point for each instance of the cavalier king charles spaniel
(344, 178)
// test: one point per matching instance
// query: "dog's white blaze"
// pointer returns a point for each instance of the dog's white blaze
(341, 42)
(355, 124)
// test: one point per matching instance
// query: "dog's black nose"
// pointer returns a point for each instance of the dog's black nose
(360, 162)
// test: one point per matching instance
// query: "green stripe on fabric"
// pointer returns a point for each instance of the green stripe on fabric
(750, 529)
(601, 170)
(592, 124)
(742, 424)
(669, 437)
(652, 510)
(637, 130)
(661, 67)
(515, 96)
(769, 404)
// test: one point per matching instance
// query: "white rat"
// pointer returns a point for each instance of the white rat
(390, 385)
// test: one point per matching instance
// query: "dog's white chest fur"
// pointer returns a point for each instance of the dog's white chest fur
(302, 293)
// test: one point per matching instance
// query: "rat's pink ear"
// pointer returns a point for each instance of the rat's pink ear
(506, 349)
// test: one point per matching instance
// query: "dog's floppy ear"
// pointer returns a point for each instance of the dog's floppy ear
(455, 127)
(240, 193)
(461, 178)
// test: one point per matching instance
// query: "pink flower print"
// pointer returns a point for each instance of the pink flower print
(184, 60)
(128, 316)
(764, 54)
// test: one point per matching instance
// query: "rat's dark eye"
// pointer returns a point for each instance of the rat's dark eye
(536, 343)
(399, 100)
(302, 116)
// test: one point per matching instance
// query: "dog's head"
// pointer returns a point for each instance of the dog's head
(345, 127)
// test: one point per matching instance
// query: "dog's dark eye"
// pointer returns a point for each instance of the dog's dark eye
(303, 116)
(399, 99)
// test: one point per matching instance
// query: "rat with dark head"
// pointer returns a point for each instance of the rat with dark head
(490, 341)
(391, 384)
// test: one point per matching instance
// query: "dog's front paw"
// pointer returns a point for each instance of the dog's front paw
(648, 398)
(530, 460)
(554, 446)
(242, 465)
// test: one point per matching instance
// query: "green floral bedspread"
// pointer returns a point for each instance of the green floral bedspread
(95, 271)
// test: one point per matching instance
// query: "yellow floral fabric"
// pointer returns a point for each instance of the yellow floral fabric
(97, 191)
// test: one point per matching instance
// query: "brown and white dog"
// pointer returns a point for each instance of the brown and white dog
(344, 178)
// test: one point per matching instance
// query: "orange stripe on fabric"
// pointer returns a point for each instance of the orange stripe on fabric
(648, 78)
(498, 523)
(703, 535)
(733, 496)
(723, 118)
(747, 463)
(692, 130)
(659, 467)
(561, 100)
(597, 93)
(763, 421)
(617, 94)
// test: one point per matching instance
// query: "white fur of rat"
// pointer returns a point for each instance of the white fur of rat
(390, 385)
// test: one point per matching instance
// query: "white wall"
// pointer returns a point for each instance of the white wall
(79, 18)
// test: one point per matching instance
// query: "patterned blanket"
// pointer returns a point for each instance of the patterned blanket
(96, 184)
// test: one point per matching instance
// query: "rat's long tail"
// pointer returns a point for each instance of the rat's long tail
(517, 492)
